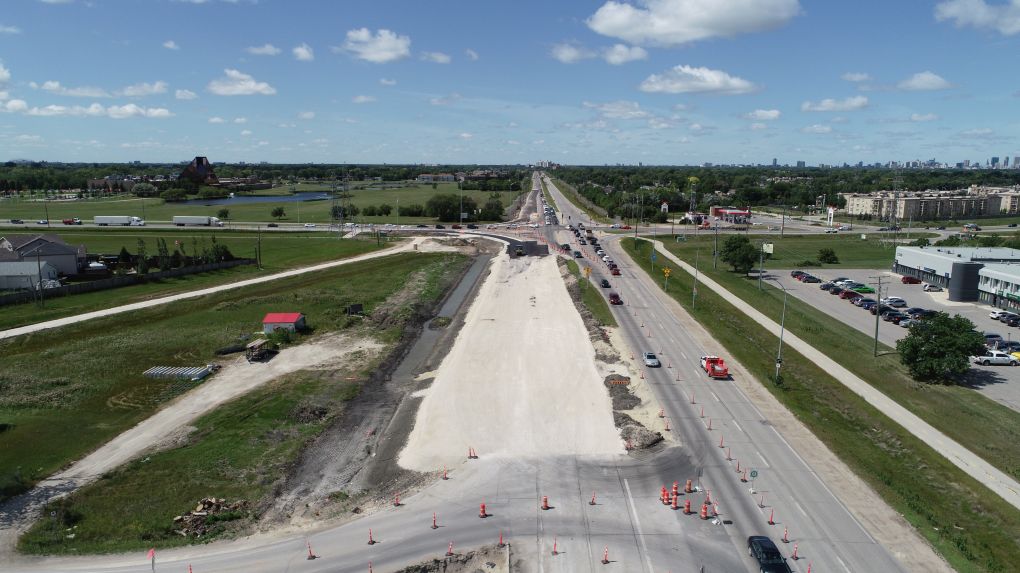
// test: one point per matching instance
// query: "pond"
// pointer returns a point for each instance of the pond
(247, 199)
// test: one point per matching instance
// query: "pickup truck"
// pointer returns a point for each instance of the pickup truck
(73, 221)
(714, 367)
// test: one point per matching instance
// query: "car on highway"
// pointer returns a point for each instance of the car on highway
(764, 551)
(472, 226)
(651, 360)
(17, 222)
(274, 225)
(894, 301)
(309, 225)
(577, 254)
(440, 226)
(910, 280)
(927, 287)
(604, 283)
(42, 222)
(996, 357)
(615, 271)
(615, 298)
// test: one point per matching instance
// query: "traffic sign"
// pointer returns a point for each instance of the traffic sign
(666, 271)
(754, 474)
(587, 271)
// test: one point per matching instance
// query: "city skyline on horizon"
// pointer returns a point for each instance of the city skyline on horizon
(659, 82)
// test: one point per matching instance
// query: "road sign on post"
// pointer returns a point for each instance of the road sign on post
(665, 273)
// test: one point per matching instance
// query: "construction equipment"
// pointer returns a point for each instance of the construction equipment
(715, 367)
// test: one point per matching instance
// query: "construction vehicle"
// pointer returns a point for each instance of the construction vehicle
(715, 367)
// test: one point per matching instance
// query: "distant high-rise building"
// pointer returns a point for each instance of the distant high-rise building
(995, 161)
(966, 162)
(775, 162)
(1016, 162)
(801, 164)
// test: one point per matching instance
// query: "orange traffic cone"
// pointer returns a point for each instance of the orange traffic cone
(605, 556)
(688, 488)
(545, 503)
(794, 556)
(772, 516)
(704, 511)
(481, 511)
(371, 541)
(687, 507)
(449, 550)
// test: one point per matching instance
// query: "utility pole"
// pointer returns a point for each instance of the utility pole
(782, 223)
(258, 247)
(761, 262)
(715, 254)
(694, 291)
(878, 310)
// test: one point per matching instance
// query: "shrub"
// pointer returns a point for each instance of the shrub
(827, 256)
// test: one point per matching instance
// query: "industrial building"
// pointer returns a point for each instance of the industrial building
(988, 275)
(934, 205)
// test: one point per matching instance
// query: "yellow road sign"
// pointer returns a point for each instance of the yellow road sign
(666, 271)
(587, 271)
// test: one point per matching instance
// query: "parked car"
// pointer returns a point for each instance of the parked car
(850, 295)
(913, 310)
(1005, 316)
(864, 289)
(810, 279)
(1013, 321)
(604, 283)
(868, 305)
(765, 552)
(995, 314)
(993, 339)
(893, 316)
(825, 286)
(880, 308)
(796, 274)
(910, 280)
(1011, 346)
(894, 301)
(862, 300)
(927, 287)
(835, 290)
(996, 357)
(615, 298)
(650, 360)
(906, 322)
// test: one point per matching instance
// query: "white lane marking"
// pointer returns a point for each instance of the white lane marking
(684, 355)
(738, 426)
(763, 461)
(714, 396)
(637, 526)
(845, 568)
(801, 509)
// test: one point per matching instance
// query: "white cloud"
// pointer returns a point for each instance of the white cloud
(618, 109)
(435, 57)
(923, 117)
(362, 99)
(379, 48)
(471, 54)
(817, 128)
(303, 53)
(185, 94)
(758, 126)
(216, 120)
(763, 115)
(856, 77)
(171, 45)
(466, 135)
(263, 50)
(570, 53)
(144, 89)
(245, 132)
(5, 75)
(238, 83)
(1003, 18)
(924, 81)
(55, 87)
(675, 22)
(95, 110)
(980, 132)
(445, 100)
(659, 123)
(9, 29)
(4, 96)
(240, 120)
(25, 138)
(306, 115)
(620, 54)
(688, 79)
(386, 82)
(851, 103)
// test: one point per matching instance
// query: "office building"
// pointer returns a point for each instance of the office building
(989, 275)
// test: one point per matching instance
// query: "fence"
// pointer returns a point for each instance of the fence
(120, 281)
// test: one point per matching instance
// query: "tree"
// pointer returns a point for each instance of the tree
(827, 256)
(738, 251)
(446, 207)
(384, 210)
(143, 263)
(938, 349)
(278, 212)
(370, 211)
(175, 194)
(223, 214)
(144, 190)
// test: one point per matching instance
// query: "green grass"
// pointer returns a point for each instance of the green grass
(280, 251)
(85, 380)
(591, 297)
(789, 251)
(985, 427)
(305, 212)
(580, 202)
(966, 523)
(237, 452)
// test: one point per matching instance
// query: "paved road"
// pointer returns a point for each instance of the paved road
(836, 540)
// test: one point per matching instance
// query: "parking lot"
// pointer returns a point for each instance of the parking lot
(1007, 391)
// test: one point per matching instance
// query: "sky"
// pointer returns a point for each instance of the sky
(676, 82)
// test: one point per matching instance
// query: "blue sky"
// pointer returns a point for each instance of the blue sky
(467, 81)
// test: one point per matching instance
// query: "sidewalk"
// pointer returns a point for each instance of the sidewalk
(997, 481)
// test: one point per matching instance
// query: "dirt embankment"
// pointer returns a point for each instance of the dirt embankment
(487, 559)
(632, 400)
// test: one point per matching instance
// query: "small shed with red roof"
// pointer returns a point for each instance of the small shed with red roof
(292, 321)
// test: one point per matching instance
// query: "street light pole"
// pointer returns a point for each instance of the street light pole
(782, 330)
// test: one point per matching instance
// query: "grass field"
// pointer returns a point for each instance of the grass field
(966, 523)
(85, 381)
(983, 426)
(592, 298)
(580, 202)
(303, 212)
(280, 251)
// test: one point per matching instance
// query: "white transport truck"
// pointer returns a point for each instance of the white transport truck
(182, 220)
(122, 220)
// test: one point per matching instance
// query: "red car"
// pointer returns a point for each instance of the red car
(849, 294)
(910, 280)
(615, 298)
(615, 271)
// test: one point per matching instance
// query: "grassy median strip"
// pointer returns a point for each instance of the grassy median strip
(85, 380)
(548, 196)
(591, 297)
(586, 206)
(984, 426)
(279, 252)
(967, 524)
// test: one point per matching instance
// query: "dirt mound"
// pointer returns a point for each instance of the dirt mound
(488, 559)
(636, 436)
(619, 392)
(210, 510)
